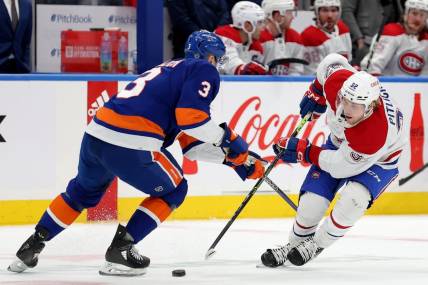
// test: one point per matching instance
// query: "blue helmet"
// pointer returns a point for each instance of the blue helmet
(202, 43)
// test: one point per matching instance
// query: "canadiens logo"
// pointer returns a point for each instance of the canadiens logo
(411, 63)
(355, 156)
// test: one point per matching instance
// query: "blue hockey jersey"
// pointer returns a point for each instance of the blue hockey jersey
(152, 110)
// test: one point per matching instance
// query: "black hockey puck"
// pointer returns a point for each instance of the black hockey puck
(178, 272)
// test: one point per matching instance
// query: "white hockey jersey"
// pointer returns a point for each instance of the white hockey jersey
(285, 47)
(318, 44)
(397, 53)
(237, 53)
(379, 139)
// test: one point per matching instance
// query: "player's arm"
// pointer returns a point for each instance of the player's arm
(194, 117)
(195, 149)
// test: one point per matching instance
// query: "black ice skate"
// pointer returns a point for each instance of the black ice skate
(276, 256)
(304, 252)
(29, 251)
(122, 258)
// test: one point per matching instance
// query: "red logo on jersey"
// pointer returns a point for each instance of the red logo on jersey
(411, 63)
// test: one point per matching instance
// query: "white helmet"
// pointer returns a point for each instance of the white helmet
(244, 11)
(269, 6)
(326, 3)
(416, 4)
(360, 88)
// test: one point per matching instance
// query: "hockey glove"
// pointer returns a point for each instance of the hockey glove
(313, 101)
(236, 146)
(252, 68)
(253, 168)
(295, 150)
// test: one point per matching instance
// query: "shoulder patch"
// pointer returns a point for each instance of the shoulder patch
(265, 36)
(370, 135)
(343, 28)
(312, 37)
(230, 32)
(293, 36)
(393, 29)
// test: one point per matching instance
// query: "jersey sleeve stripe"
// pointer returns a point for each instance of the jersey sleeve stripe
(190, 116)
(187, 142)
(134, 123)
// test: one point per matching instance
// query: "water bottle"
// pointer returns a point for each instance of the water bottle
(106, 53)
(123, 54)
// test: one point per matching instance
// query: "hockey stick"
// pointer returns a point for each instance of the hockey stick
(250, 194)
(281, 193)
(405, 179)
(276, 62)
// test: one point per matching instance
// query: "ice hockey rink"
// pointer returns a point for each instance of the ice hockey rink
(378, 250)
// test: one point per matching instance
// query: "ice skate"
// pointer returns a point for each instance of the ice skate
(304, 252)
(29, 251)
(122, 258)
(276, 256)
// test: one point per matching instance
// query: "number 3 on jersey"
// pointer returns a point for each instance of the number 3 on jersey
(136, 87)
(205, 89)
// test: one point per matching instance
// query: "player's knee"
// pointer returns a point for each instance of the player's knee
(356, 194)
(83, 198)
(311, 209)
(352, 203)
(175, 198)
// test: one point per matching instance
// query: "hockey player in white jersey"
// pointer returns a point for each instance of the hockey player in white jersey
(279, 40)
(360, 155)
(402, 48)
(329, 35)
(244, 51)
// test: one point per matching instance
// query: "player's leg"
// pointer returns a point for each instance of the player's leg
(83, 191)
(316, 194)
(160, 176)
(356, 197)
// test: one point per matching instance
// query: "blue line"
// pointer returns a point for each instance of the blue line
(228, 78)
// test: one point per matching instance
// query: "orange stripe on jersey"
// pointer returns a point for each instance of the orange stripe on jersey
(189, 116)
(169, 167)
(135, 123)
(185, 140)
(158, 207)
(63, 211)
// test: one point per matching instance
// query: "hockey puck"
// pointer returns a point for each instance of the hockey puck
(178, 272)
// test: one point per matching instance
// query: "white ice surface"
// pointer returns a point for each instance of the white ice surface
(378, 250)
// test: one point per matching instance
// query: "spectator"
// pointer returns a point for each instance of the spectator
(365, 18)
(281, 44)
(15, 36)
(330, 35)
(188, 16)
(402, 48)
(244, 52)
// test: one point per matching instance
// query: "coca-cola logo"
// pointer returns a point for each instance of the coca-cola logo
(411, 63)
(263, 131)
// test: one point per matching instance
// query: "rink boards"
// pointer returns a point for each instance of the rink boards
(45, 117)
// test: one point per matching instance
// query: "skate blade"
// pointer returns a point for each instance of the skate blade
(286, 264)
(17, 266)
(114, 269)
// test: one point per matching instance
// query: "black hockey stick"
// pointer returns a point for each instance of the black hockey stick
(405, 179)
(281, 193)
(276, 62)
(250, 194)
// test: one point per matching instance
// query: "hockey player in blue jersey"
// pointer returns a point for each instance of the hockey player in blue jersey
(128, 138)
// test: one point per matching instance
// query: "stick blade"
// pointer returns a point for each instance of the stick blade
(209, 253)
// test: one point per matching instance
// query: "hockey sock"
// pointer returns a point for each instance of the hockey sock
(58, 216)
(149, 215)
(349, 208)
(309, 213)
